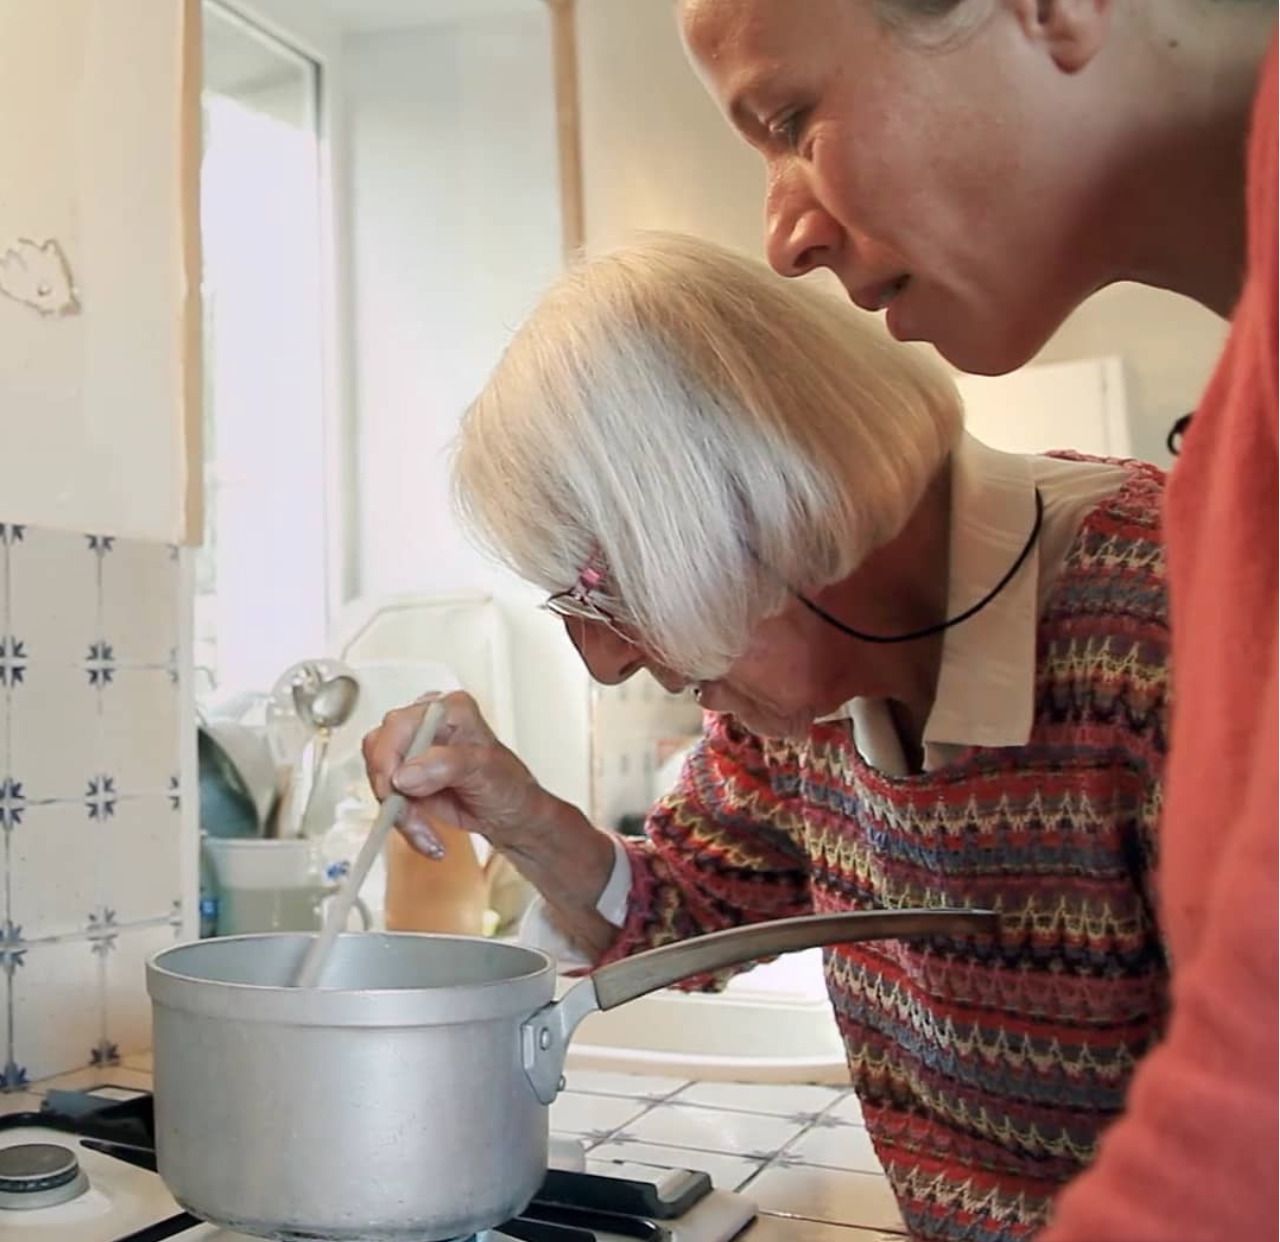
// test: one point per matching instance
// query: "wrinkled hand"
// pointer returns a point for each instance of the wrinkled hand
(467, 779)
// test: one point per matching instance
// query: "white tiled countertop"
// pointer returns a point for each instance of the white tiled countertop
(800, 1152)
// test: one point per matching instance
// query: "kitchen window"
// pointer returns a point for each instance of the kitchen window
(262, 589)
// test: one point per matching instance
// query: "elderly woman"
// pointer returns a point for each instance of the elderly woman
(934, 674)
(976, 168)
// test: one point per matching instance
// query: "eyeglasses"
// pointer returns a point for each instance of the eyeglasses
(570, 606)
(577, 603)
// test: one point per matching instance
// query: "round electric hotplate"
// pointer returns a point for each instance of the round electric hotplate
(39, 1175)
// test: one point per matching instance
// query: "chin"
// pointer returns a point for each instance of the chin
(975, 342)
(992, 355)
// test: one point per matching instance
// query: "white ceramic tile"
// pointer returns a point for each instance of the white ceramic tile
(4, 738)
(19, 1102)
(142, 859)
(847, 1110)
(143, 1062)
(837, 1147)
(96, 1076)
(726, 1172)
(707, 1129)
(779, 1099)
(53, 731)
(4, 578)
(140, 601)
(55, 860)
(592, 1115)
(140, 741)
(767, 1228)
(635, 1086)
(6, 1033)
(832, 1195)
(53, 595)
(128, 1006)
(57, 1017)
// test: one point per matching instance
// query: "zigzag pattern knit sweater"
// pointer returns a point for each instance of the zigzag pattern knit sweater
(987, 1069)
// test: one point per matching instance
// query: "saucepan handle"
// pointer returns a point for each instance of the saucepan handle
(636, 976)
(546, 1035)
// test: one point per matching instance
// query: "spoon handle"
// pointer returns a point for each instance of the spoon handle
(319, 750)
(340, 908)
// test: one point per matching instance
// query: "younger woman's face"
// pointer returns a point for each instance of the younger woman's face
(938, 181)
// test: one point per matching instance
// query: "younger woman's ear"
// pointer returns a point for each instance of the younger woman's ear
(1072, 32)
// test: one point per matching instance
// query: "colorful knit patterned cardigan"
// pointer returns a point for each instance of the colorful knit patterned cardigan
(987, 1069)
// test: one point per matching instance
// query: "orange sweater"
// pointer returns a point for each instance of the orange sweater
(1194, 1157)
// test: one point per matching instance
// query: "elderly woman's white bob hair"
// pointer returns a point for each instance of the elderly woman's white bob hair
(714, 433)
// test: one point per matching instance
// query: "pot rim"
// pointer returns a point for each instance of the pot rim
(505, 996)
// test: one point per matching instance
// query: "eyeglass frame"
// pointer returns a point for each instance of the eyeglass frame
(575, 604)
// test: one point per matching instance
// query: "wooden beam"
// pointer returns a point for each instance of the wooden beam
(564, 62)
(193, 363)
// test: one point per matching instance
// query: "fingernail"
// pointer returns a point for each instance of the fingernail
(425, 841)
(414, 778)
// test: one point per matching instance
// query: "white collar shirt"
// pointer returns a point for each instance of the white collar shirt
(986, 681)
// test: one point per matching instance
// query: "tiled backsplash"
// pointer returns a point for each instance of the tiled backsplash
(91, 806)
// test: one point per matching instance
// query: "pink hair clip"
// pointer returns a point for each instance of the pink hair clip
(591, 576)
(577, 601)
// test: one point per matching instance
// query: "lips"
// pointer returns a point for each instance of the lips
(876, 297)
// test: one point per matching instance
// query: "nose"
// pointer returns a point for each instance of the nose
(799, 233)
(670, 681)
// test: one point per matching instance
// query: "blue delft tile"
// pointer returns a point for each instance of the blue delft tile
(105, 1053)
(175, 794)
(103, 931)
(13, 661)
(101, 544)
(13, 1077)
(13, 948)
(100, 798)
(12, 802)
(140, 603)
(11, 533)
(100, 664)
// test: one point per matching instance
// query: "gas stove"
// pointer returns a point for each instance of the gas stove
(83, 1170)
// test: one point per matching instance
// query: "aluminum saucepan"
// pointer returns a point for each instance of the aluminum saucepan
(407, 1098)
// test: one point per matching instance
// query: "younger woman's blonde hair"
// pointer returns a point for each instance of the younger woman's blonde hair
(711, 432)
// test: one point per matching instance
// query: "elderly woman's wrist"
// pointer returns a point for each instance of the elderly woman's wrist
(564, 854)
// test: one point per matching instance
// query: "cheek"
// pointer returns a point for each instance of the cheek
(771, 682)
(865, 181)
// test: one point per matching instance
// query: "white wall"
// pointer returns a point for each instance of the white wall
(455, 230)
(657, 154)
(1169, 345)
(309, 26)
(97, 123)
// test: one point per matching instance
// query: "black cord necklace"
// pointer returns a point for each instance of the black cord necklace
(942, 625)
